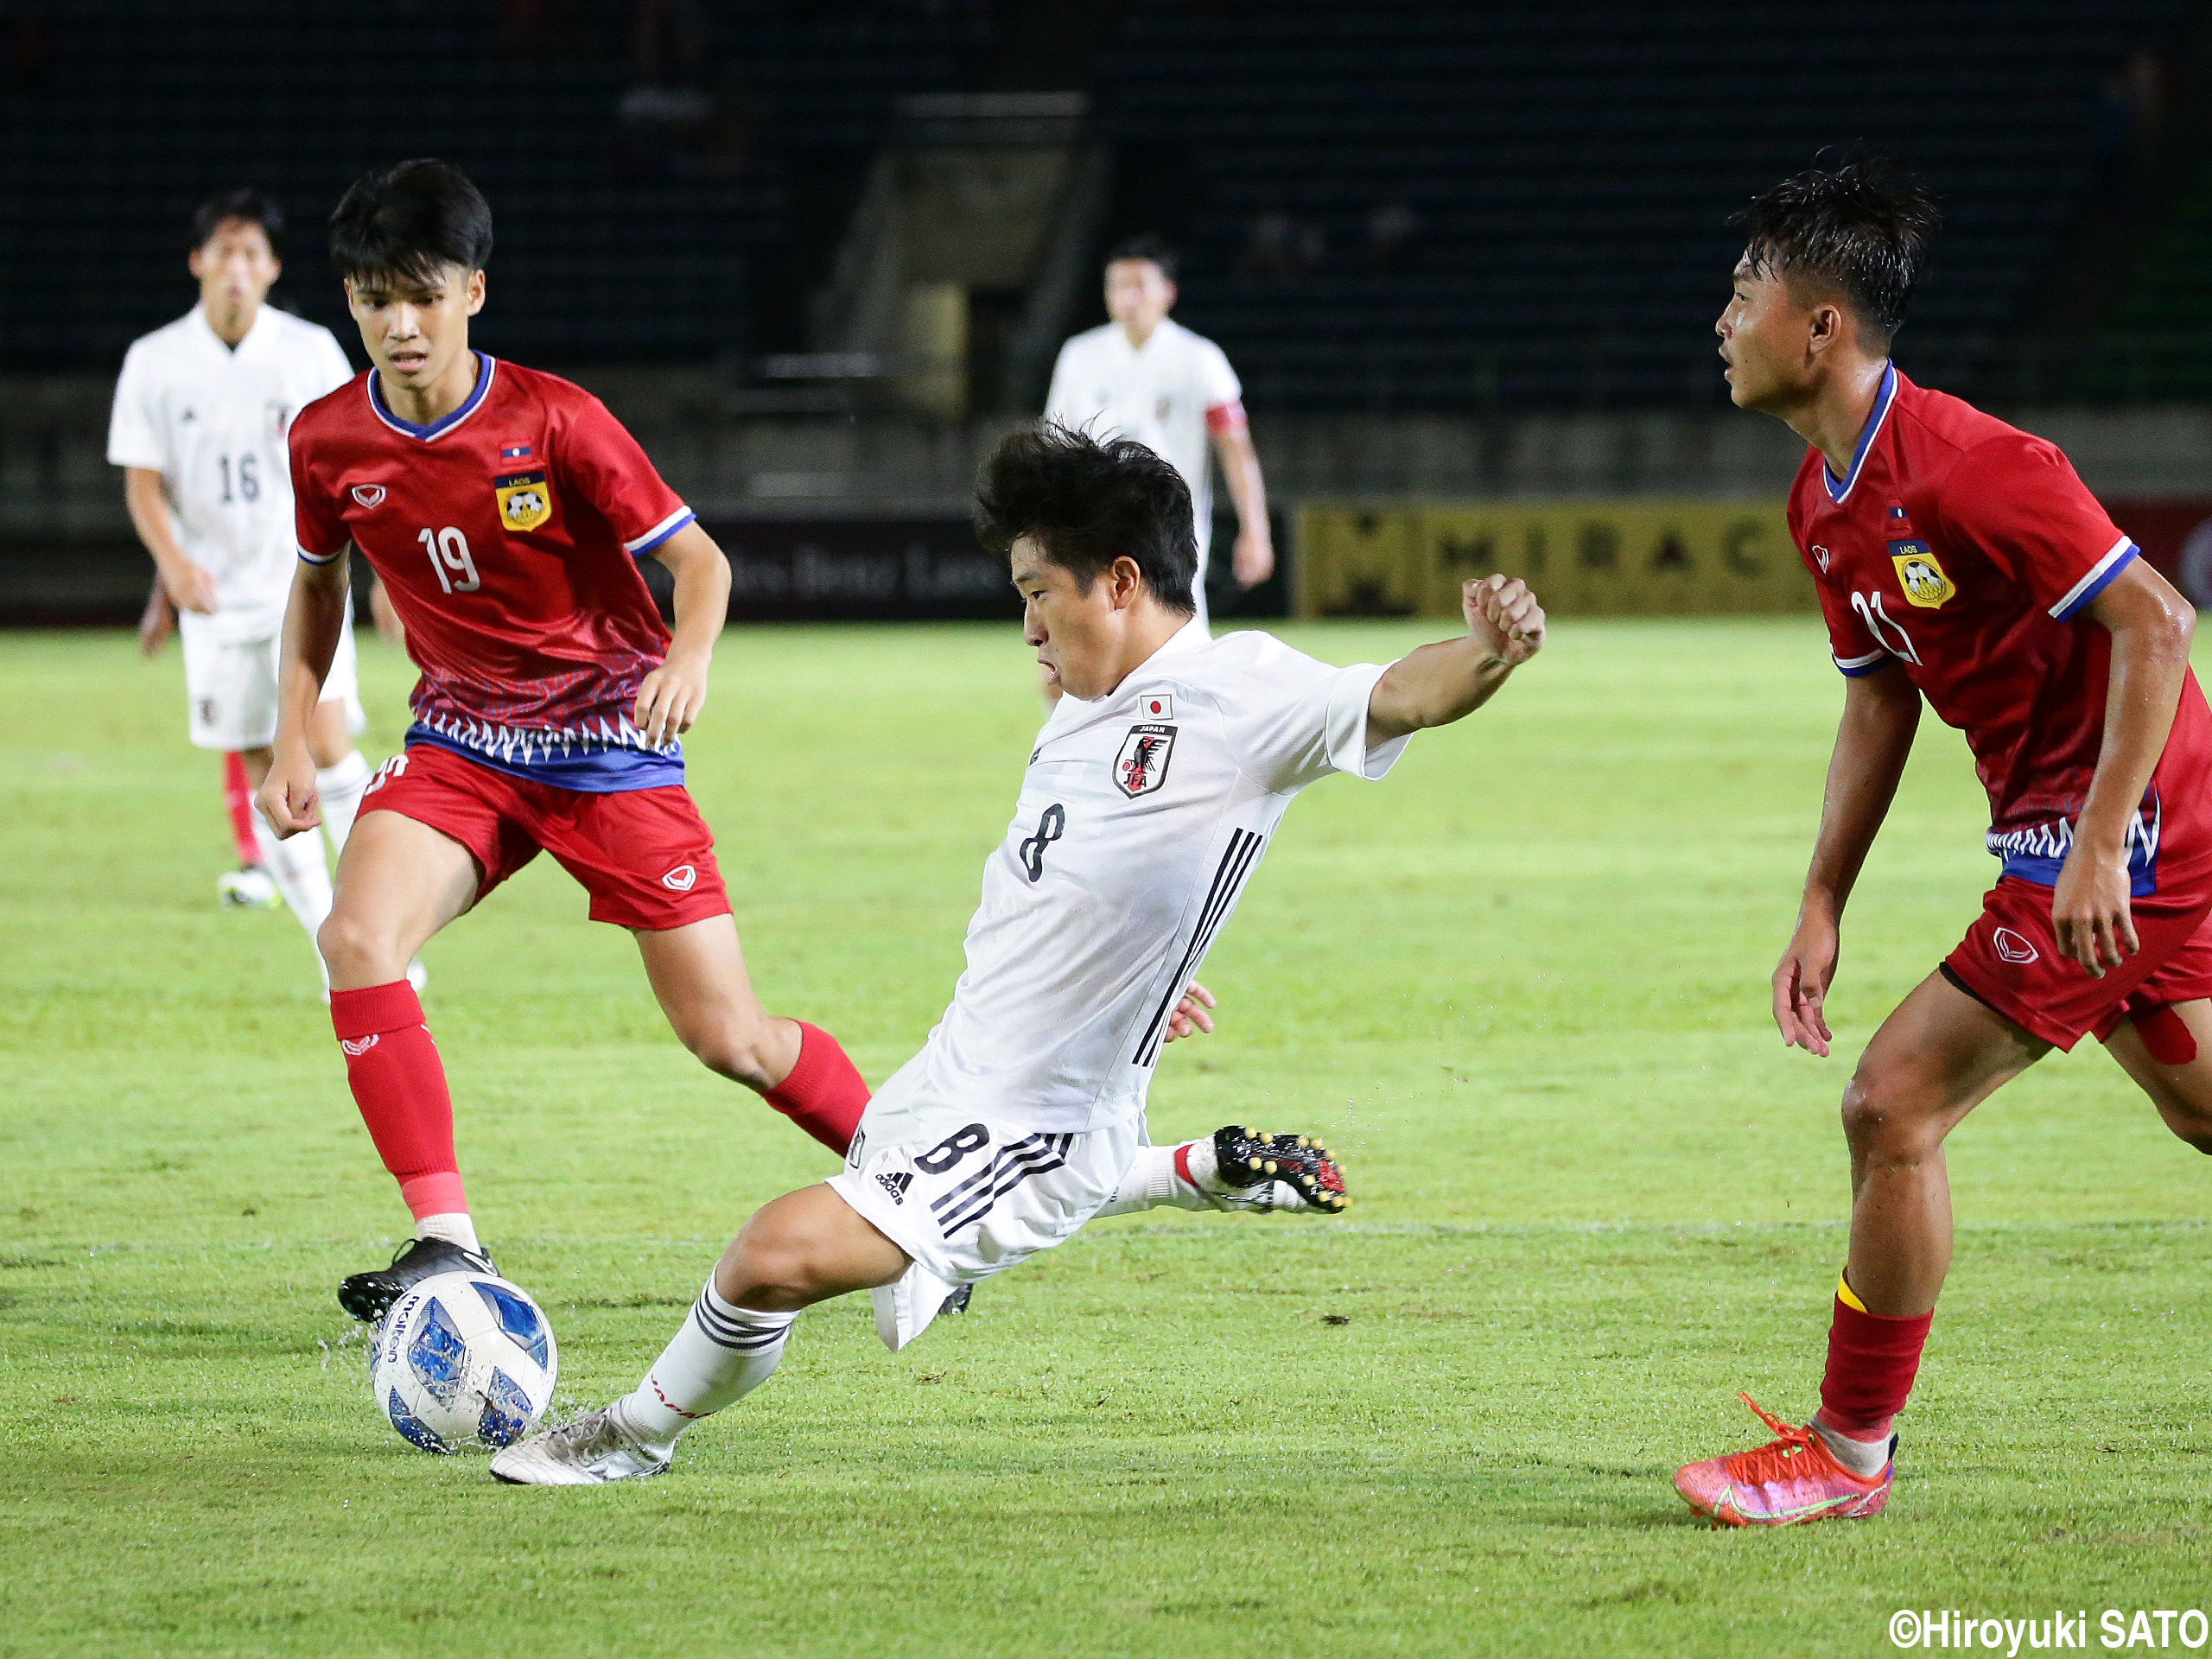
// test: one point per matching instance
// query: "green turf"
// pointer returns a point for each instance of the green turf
(1521, 987)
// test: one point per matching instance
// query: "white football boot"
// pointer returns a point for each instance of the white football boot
(589, 1450)
(249, 887)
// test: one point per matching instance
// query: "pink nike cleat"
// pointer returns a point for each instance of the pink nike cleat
(1791, 1478)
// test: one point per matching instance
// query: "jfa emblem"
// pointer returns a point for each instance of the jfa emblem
(277, 417)
(1142, 767)
(525, 502)
(1920, 577)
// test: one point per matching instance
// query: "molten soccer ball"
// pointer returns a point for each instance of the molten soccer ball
(464, 1359)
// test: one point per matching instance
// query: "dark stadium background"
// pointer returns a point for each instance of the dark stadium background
(818, 256)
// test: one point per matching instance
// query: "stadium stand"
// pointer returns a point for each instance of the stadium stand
(671, 138)
(1417, 204)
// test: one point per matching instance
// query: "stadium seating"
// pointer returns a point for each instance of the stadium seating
(638, 170)
(1426, 204)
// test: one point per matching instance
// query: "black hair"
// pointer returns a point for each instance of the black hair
(408, 219)
(1088, 503)
(1861, 229)
(1146, 246)
(255, 206)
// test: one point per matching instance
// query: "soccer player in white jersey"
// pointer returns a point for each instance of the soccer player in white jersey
(1145, 376)
(198, 428)
(1156, 784)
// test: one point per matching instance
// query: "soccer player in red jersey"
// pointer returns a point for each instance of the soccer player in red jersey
(503, 509)
(1961, 562)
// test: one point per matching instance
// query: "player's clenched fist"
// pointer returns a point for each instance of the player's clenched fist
(287, 796)
(670, 698)
(1504, 614)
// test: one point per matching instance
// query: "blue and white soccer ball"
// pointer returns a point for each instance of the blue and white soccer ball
(464, 1359)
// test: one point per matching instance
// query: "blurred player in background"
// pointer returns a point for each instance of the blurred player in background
(1158, 781)
(1145, 376)
(199, 426)
(502, 509)
(1960, 560)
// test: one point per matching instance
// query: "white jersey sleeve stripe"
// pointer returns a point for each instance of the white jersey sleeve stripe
(660, 532)
(317, 558)
(2101, 573)
(1857, 667)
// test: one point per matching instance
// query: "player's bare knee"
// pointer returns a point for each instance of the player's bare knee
(1879, 1120)
(354, 949)
(767, 1269)
(2191, 1127)
(731, 1048)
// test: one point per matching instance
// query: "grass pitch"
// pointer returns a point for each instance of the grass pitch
(1521, 985)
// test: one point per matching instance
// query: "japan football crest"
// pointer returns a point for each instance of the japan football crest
(525, 500)
(1920, 577)
(1142, 767)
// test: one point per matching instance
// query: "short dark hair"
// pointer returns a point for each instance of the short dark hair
(1088, 503)
(408, 220)
(255, 206)
(1861, 229)
(1146, 246)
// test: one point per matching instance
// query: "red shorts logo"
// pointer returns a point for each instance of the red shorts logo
(2011, 947)
(682, 879)
(357, 1049)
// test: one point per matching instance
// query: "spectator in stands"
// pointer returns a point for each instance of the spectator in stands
(1146, 377)
(1278, 244)
(1391, 228)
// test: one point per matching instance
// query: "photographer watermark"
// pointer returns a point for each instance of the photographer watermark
(2159, 1627)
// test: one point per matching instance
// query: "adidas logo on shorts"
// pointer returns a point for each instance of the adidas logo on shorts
(896, 1185)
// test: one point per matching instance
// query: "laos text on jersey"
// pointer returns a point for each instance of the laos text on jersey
(1967, 553)
(212, 420)
(506, 534)
(1142, 817)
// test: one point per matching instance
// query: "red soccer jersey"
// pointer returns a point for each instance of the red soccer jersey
(506, 534)
(1967, 552)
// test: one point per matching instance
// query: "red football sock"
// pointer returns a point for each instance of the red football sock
(824, 1094)
(1872, 1360)
(400, 1083)
(238, 799)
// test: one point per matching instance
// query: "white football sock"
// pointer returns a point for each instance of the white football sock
(338, 787)
(455, 1227)
(721, 1354)
(297, 867)
(1150, 1180)
(1865, 1458)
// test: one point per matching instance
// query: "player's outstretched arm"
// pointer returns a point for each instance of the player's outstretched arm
(1881, 711)
(2150, 626)
(314, 620)
(1439, 683)
(671, 698)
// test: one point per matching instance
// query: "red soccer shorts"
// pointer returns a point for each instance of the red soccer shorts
(2010, 959)
(645, 855)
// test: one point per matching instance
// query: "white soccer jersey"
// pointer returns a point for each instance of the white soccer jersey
(1170, 395)
(1142, 817)
(213, 421)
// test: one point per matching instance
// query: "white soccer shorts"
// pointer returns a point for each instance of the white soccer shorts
(232, 689)
(967, 1197)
